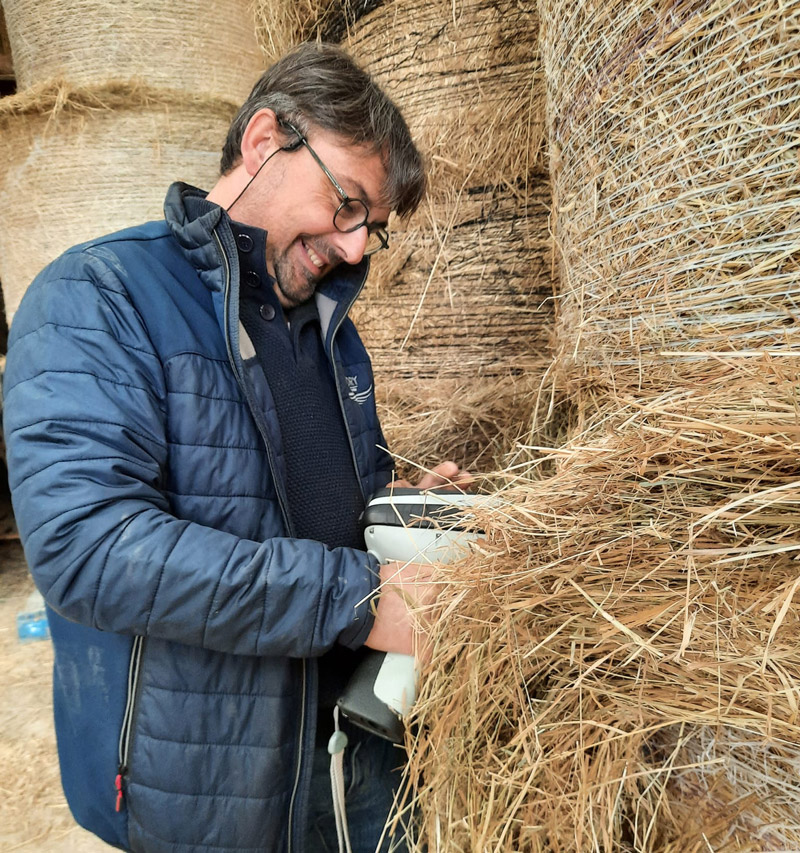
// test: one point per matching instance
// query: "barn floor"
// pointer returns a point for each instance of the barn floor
(33, 813)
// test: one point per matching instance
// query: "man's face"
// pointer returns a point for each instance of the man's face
(294, 201)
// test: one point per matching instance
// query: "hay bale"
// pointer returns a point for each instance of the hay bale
(723, 771)
(461, 302)
(199, 48)
(82, 163)
(468, 77)
(457, 316)
(465, 291)
(649, 585)
(674, 141)
(615, 666)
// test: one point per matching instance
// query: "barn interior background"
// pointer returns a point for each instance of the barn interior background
(596, 307)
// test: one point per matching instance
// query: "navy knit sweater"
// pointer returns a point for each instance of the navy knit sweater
(325, 500)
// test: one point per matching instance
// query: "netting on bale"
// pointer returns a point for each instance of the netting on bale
(675, 168)
(80, 163)
(197, 47)
(615, 667)
(449, 315)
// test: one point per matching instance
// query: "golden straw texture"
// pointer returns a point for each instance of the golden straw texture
(201, 48)
(645, 590)
(615, 668)
(83, 163)
(457, 314)
(281, 24)
(675, 171)
(468, 78)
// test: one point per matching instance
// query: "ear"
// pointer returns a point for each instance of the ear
(261, 137)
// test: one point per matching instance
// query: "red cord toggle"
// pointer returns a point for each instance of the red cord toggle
(118, 786)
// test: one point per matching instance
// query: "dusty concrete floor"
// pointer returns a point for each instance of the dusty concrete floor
(33, 813)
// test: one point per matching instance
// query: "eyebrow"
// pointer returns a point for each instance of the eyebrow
(364, 196)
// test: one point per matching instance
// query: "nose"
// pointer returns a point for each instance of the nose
(351, 244)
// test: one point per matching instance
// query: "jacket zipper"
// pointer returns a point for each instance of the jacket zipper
(240, 379)
(225, 295)
(134, 668)
(286, 521)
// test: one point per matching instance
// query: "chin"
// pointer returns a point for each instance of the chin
(296, 295)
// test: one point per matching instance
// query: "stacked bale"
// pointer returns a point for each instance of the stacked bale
(457, 314)
(113, 105)
(195, 47)
(616, 668)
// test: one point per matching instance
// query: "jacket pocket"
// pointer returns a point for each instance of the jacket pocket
(134, 669)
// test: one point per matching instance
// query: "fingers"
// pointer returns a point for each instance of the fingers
(403, 587)
(445, 474)
(409, 576)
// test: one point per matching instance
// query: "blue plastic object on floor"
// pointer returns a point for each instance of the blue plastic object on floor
(32, 622)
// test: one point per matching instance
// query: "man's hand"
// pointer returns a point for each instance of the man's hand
(444, 475)
(406, 586)
(403, 586)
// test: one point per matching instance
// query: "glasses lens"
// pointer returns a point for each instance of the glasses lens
(376, 241)
(350, 215)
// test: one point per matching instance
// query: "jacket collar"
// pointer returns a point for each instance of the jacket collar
(193, 220)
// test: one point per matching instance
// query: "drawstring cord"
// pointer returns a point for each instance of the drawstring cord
(336, 747)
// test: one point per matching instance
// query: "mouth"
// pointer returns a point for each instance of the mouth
(317, 262)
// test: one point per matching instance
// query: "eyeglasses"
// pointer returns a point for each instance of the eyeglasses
(352, 213)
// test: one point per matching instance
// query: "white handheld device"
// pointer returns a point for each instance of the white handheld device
(405, 526)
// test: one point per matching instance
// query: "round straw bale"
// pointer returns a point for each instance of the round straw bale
(468, 79)
(465, 289)
(616, 661)
(674, 151)
(457, 316)
(611, 614)
(200, 48)
(461, 302)
(476, 422)
(99, 161)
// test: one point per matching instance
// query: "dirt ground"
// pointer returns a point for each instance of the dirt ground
(34, 816)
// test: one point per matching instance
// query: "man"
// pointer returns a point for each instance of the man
(192, 437)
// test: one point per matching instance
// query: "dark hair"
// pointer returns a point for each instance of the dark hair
(320, 85)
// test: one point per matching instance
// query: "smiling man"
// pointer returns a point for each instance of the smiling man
(192, 436)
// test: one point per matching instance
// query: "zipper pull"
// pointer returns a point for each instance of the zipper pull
(118, 786)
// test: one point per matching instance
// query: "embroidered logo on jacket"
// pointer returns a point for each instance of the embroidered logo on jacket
(360, 397)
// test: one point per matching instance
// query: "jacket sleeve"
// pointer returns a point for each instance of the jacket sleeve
(85, 425)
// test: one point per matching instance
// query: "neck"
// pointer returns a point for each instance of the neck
(228, 187)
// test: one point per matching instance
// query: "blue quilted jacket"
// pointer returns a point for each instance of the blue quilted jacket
(147, 479)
